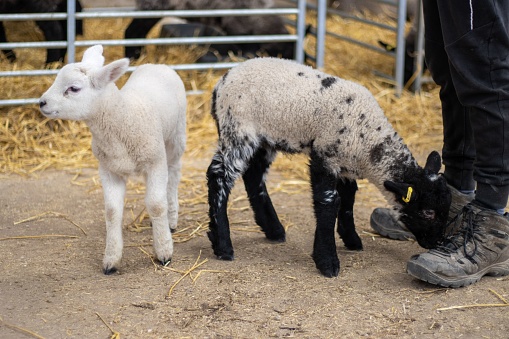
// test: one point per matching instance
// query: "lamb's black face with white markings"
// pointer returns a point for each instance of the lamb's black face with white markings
(425, 199)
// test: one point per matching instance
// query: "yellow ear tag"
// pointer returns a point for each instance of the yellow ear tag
(408, 195)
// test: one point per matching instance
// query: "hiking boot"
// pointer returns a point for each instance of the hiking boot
(384, 220)
(480, 247)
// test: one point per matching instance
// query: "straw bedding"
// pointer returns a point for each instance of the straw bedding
(29, 143)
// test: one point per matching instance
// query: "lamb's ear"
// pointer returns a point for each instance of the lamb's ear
(109, 73)
(433, 163)
(93, 56)
(405, 191)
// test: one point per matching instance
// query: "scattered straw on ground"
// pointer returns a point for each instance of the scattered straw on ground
(114, 334)
(196, 264)
(503, 304)
(20, 329)
(51, 214)
(42, 236)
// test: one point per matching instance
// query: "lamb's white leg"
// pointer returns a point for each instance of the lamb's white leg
(173, 156)
(157, 207)
(114, 192)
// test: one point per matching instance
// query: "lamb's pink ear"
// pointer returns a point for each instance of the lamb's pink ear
(433, 163)
(93, 56)
(109, 73)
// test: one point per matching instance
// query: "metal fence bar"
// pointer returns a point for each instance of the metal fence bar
(71, 30)
(71, 16)
(321, 21)
(399, 55)
(195, 13)
(400, 51)
(419, 48)
(150, 14)
(358, 19)
(155, 41)
(33, 16)
(301, 30)
(362, 44)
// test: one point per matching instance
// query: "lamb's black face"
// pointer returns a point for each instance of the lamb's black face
(425, 201)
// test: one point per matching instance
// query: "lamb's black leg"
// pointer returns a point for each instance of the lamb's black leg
(346, 226)
(138, 28)
(53, 32)
(228, 164)
(326, 204)
(9, 53)
(254, 182)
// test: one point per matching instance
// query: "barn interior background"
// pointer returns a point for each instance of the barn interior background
(30, 143)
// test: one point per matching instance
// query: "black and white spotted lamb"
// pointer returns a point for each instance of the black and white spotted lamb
(267, 105)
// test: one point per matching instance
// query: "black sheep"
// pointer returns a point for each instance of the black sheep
(53, 30)
(250, 25)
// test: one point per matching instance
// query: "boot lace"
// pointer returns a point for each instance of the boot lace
(466, 233)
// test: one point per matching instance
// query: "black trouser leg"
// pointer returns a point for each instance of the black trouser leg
(254, 182)
(458, 151)
(476, 40)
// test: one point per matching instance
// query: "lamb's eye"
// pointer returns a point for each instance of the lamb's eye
(72, 89)
(428, 214)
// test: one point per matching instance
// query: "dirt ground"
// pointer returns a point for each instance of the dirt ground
(53, 287)
(51, 282)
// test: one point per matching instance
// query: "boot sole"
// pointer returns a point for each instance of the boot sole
(420, 272)
(378, 223)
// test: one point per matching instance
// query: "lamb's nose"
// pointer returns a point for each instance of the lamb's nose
(42, 103)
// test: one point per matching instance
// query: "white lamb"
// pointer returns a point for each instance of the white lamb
(140, 129)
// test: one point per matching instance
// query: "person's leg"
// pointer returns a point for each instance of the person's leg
(476, 37)
(458, 151)
(476, 41)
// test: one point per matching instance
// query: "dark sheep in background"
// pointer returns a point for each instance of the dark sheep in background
(250, 25)
(410, 53)
(53, 30)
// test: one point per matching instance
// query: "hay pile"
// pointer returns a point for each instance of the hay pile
(29, 143)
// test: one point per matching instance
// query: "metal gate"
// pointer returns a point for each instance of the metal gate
(71, 44)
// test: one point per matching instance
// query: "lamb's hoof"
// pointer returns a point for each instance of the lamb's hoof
(109, 270)
(330, 272)
(329, 267)
(276, 237)
(173, 230)
(354, 246)
(165, 262)
(225, 257)
(353, 242)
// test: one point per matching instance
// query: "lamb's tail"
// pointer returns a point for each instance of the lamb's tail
(213, 108)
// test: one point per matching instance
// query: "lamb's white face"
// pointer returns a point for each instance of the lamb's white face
(71, 96)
